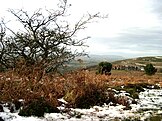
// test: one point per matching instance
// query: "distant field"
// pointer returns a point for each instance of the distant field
(141, 61)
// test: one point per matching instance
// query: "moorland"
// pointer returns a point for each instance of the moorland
(81, 88)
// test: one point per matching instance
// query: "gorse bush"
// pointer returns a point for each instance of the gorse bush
(104, 67)
(150, 69)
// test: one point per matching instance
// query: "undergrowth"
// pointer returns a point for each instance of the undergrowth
(81, 89)
(37, 107)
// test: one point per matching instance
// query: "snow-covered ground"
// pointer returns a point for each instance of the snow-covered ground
(149, 103)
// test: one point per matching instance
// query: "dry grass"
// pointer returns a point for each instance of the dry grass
(133, 77)
(16, 85)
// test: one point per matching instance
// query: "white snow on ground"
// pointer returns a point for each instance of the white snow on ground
(150, 101)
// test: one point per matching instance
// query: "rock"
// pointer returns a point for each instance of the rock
(134, 101)
(1, 119)
(1, 108)
(18, 104)
(12, 108)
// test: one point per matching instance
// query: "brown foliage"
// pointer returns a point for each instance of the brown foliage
(14, 85)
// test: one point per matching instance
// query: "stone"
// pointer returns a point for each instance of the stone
(1, 108)
(1, 119)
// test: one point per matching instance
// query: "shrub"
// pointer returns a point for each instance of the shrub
(86, 96)
(104, 67)
(37, 108)
(150, 69)
(92, 96)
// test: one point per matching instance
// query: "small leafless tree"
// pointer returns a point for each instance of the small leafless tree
(46, 39)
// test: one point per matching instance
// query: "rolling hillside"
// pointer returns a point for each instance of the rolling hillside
(141, 61)
(92, 62)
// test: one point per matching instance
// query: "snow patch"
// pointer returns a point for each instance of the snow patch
(148, 104)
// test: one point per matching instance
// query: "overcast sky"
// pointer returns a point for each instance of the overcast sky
(133, 27)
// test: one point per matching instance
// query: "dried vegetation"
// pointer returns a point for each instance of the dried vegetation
(82, 89)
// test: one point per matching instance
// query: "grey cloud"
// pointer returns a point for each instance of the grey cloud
(156, 8)
(147, 41)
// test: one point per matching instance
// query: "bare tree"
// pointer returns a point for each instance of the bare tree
(46, 39)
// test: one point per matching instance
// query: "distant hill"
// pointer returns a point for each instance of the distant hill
(95, 59)
(141, 61)
(92, 60)
(109, 58)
